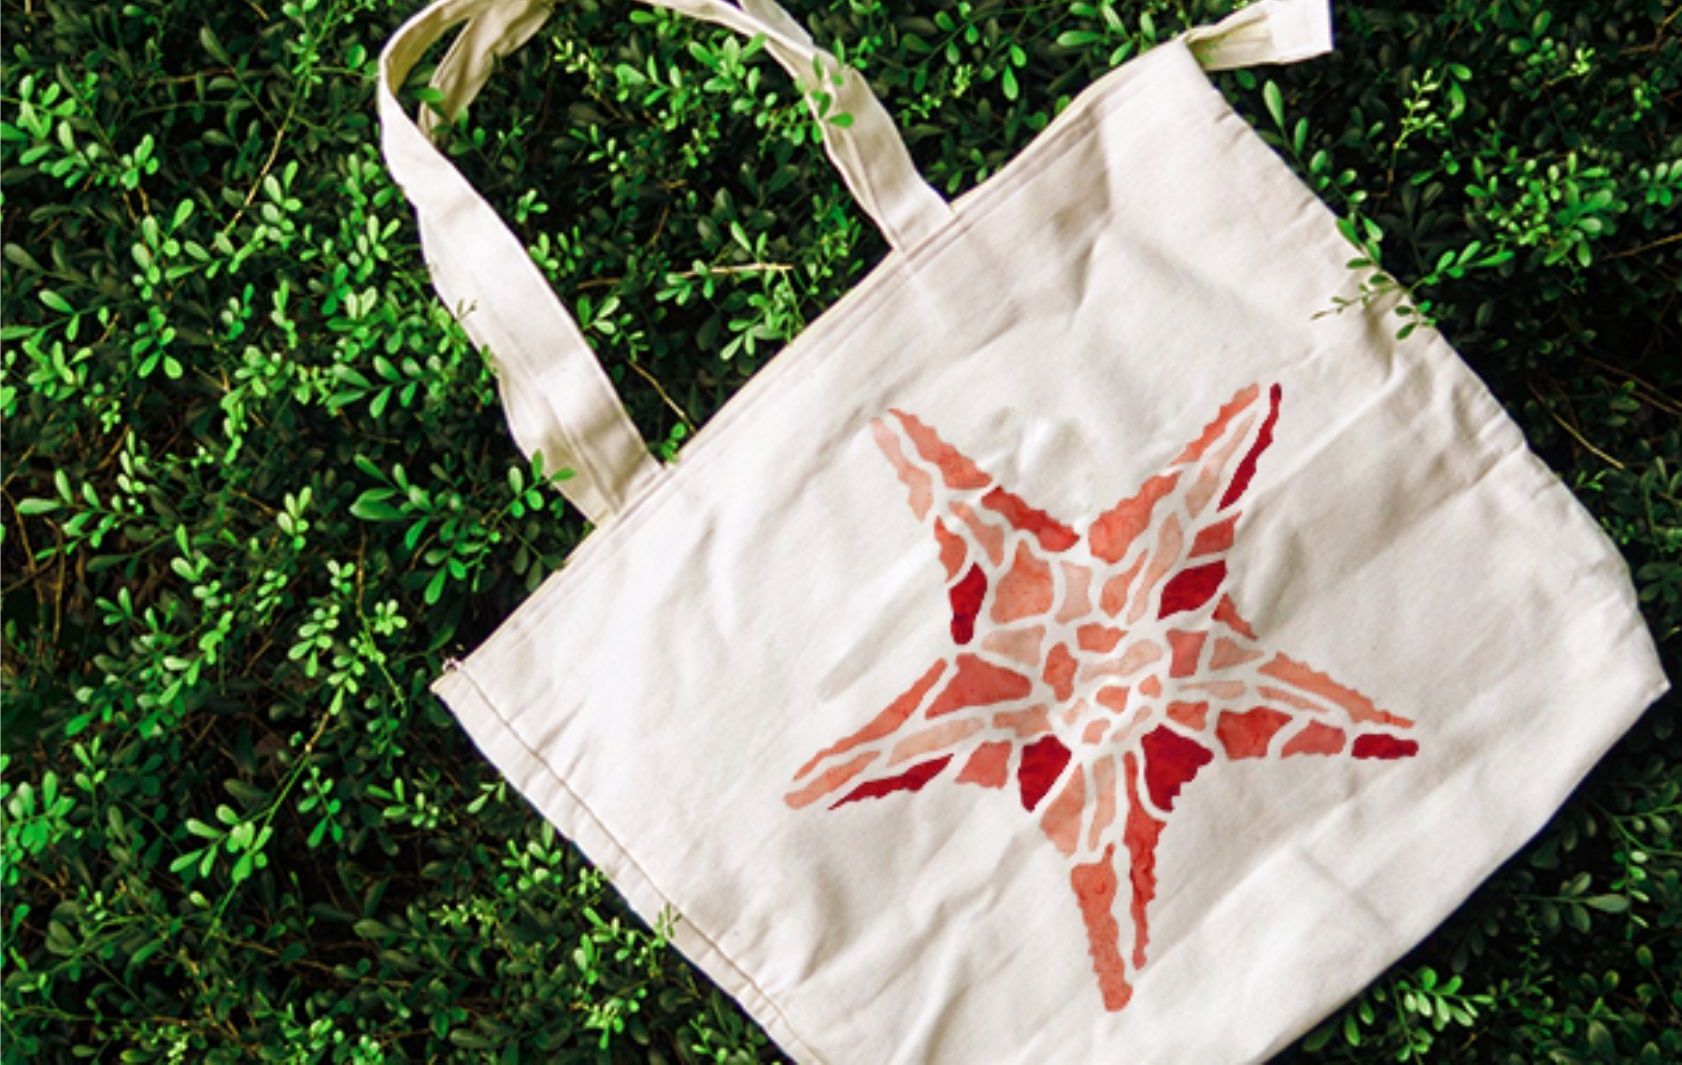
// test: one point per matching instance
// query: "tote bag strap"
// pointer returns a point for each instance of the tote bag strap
(1269, 31)
(557, 398)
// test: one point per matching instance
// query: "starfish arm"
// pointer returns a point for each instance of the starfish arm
(945, 489)
(972, 516)
(956, 707)
(1166, 543)
(1100, 676)
(1078, 822)
(1101, 825)
(945, 494)
(1250, 701)
(1096, 889)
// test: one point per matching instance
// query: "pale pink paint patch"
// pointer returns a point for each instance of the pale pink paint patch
(1034, 721)
(1093, 734)
(1061, 822)
(1203, 488)
(990, 537)
(1134, 658)
(937, 738)
(1077, 592)
(1220, 689)
(1150, 687)
(1025, 590)
(1021, 645)
(920, 484)
(1228, 653)
(1138, 656)
(1103, 786)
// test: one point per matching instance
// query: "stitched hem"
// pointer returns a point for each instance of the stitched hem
(536, 779)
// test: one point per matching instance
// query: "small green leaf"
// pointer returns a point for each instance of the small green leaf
(1275, 101)
(372, 506)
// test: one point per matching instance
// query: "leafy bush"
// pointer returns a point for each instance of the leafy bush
(256, 485)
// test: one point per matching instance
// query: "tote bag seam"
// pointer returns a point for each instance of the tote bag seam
(507, 726)
(656, 493)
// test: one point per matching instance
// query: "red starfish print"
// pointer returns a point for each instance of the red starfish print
(1101, 670)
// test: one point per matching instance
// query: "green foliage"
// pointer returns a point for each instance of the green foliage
(256, 485)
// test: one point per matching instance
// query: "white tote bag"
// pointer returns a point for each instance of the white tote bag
(1074, 647)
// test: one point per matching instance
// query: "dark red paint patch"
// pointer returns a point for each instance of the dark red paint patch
(966, 598)
(1247, 468)
(1042, 761)
(1191, 588)
(1377, 746)
(1170, 761)
(912, 779)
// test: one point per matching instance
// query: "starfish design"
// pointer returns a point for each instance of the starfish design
(1101, 670)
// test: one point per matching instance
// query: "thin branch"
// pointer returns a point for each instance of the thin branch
(650, 378)
(1575, 434)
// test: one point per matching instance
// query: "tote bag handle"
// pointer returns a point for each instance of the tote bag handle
(1271, 31)
(558, 400)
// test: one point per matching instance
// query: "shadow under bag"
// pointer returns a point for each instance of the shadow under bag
(1075, 646)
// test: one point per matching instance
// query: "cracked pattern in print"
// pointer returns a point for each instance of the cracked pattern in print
(1096, 672)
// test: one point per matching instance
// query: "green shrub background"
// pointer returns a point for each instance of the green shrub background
(257, 485)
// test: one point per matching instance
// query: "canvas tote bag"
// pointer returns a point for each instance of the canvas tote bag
(1073, 647)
